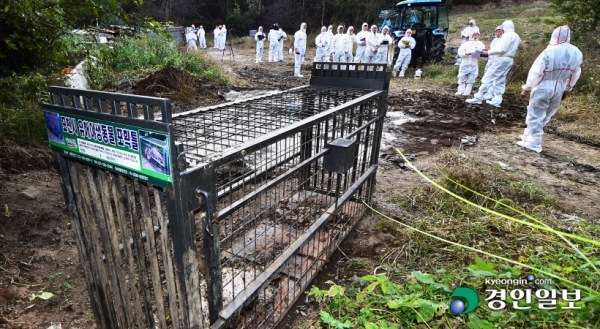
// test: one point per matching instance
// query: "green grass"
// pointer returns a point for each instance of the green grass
(422, 271)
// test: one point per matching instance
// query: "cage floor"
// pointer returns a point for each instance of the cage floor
(269, 240)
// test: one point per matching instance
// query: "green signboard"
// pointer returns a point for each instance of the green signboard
(136, 152)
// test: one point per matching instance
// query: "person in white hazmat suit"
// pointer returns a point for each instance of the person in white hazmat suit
(361, 40)
(351, 41)
(215, 35)
(260, 44)
(406, 45)
(495, 76)
(273, 43)
(372, 45)
(339, 45)
(330, 36)
(299, 49)
(464, 36)
(385, 40)
(223, 36)
(498, 34)
(191, 38)
(322, 46)
(202, 37)
(551, 77)
(282, 37)
(469, 65)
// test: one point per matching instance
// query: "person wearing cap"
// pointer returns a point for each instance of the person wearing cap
(552, 76)
(322, 42)
(339, 45)
(495, 77)
(497, 35)
(299, 49)
(273, 43)
(282, 37)
(201, 37)
(385, 40)
(191, 38)
(361, 41)
(406, 44)
(464, 35)
(469, 65)
(372, 45)
(260, 44)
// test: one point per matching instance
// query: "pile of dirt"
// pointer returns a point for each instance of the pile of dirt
(162, 82)
(441, 120)
(15, 158)
(279, 76)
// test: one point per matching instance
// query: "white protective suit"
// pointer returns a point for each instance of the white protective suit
(282, 37)
(385, 41)
(361, 41)
(490, 93)
(191, 38)
(555, 71)
(202, 37)
(299, 49)
(406, 45)
(273, 45)
(322, 42)
(260, 44)
(220, 38)
(339, 45)
(351, 40)
(372, 45)
(464, 36)
(469, 66)
(215, 35)
(495, 76)
(330, 38)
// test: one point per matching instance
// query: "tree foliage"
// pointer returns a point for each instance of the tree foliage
(582, 15)
(30, 30)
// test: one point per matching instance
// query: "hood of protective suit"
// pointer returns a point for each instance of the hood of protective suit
(303, 27)
(340, 27)
(365, 24)
(324, 30)
(385, 27)
(260, 29)
(508, 26)
(350, 28)
(561, 34)
(473, 21)
(330, 28)
(408, 33)
(499, 27)
(473, 38)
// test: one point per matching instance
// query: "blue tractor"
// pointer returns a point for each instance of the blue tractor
(428, 20)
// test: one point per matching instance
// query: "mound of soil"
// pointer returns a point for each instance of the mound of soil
(162, 82)
(442, 119)
(16, 159)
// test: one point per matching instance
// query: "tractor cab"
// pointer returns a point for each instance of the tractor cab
(428, 20)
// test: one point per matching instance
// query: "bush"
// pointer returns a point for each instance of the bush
(150, 52)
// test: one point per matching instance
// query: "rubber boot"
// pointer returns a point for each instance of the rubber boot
(402, 73)
(461, 89)
(468, 88)
(394, 73)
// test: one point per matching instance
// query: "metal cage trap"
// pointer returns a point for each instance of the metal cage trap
(220, 216)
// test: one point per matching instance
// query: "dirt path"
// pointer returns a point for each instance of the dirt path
(37, 251)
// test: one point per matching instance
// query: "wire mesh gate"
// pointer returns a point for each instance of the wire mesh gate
(220, 216)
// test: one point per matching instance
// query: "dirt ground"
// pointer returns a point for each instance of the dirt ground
(38, 253)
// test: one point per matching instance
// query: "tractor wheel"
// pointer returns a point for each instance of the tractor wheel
(437, 50)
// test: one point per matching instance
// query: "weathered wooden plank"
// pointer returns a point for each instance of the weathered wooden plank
(98, 269)
(152, 255)
(101, 231)
(125, 235)
(63, 166)
(138, 247)
(112, 239)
